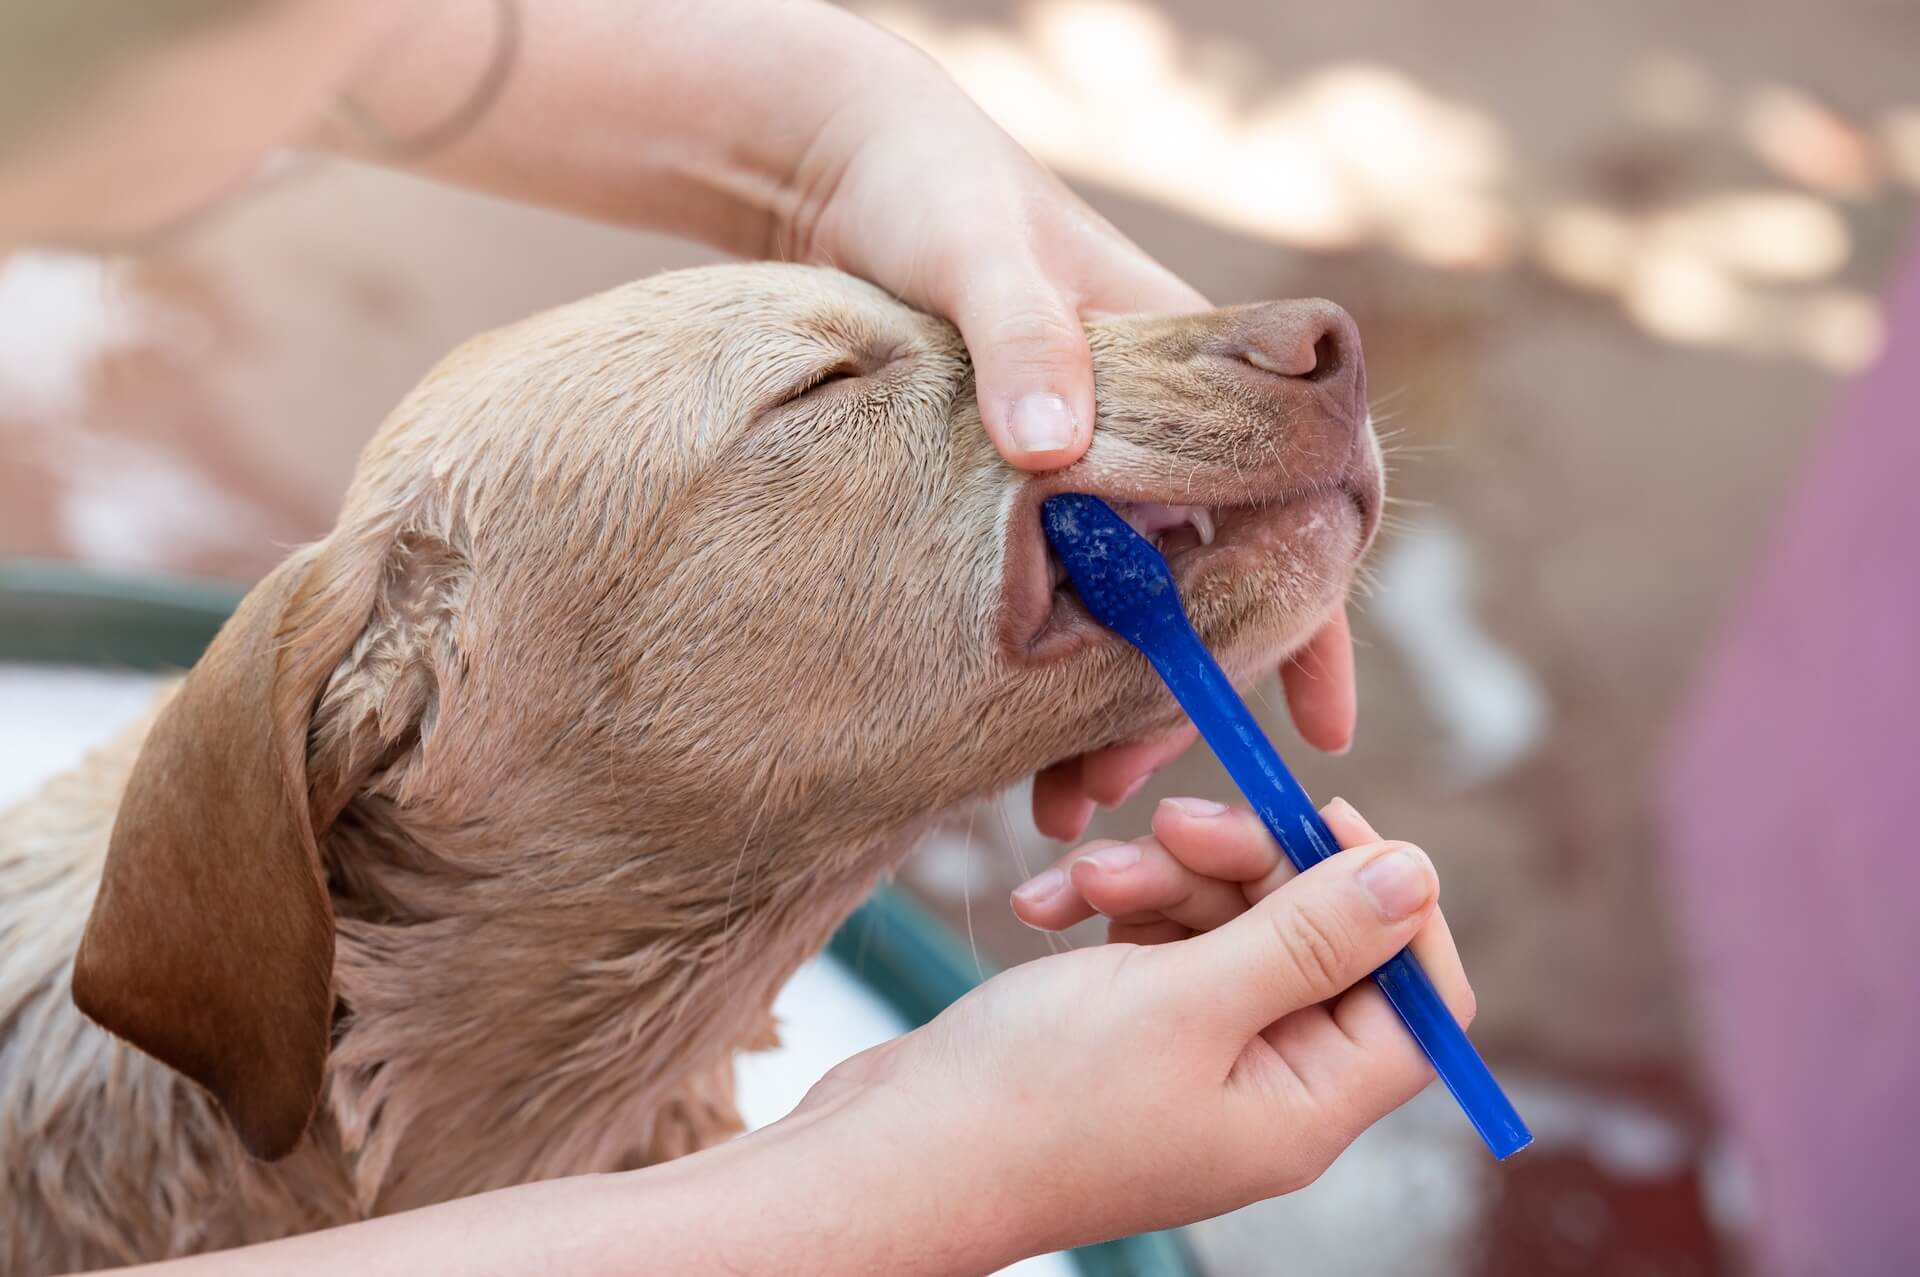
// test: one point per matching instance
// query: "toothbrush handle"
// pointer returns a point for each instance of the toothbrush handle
(1204, 691)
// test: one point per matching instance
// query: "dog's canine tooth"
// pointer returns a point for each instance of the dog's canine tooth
(1202, 520)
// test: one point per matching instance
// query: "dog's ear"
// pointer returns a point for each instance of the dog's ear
(210, 945)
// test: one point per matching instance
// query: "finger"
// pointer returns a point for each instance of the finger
(1433, 947)
(1160, 932)
(1117, 276)
(1061, 808)
(1111, 776)
(1319, 684)
(1374, 1051)
(1313, 938)
(1132, 882)
(1050, 901)
(1348, 826)
(1139, 882)
(1135, 284)
(1372, 1065)
(1032, 369)
(1217, 841)
(1365, 1019)
(1349, 829)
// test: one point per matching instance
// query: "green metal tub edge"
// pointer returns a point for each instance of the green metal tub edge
(57, 613)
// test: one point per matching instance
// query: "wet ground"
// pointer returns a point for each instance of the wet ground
(1611, 279)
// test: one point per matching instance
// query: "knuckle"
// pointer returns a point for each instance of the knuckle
(1312, 1157)
(1257, 841)
(1316, 945)
(1034, 326)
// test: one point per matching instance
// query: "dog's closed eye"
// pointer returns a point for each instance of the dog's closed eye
(833, 374)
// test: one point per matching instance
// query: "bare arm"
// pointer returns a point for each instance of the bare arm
(1076, 1098)
(693, 117)
(794, 129)
(820, 1192)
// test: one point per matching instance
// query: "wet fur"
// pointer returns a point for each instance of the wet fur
(617, 685)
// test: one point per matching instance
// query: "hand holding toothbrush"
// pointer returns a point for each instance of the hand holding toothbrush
(1225, 1049)
(1203, 865)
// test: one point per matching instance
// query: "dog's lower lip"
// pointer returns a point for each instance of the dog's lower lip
(1046, 620)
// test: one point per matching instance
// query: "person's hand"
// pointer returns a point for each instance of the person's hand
(1147, 1084)
(894, 175)
(1203, 864)
(913, 187)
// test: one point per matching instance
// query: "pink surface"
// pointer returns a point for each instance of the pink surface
(1793, 816)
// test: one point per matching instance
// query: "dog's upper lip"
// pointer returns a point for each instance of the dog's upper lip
(1028, 589)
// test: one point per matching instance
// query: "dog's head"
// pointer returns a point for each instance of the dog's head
(717, 556)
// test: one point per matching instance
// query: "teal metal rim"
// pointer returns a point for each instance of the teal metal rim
(55, 613)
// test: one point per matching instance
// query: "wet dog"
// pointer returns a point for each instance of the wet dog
(654, 630)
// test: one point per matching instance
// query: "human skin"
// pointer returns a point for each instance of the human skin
(783, 128)
(1233, 1057)
(1236, 1049)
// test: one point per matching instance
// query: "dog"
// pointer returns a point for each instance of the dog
(654, 631)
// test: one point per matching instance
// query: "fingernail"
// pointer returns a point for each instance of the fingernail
(1113, 859)
(1042, 423)
(1400, 882)
(1202, 808)
(1041, 887)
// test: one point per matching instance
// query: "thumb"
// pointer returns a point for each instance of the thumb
(1315, 937)
(1032, 369)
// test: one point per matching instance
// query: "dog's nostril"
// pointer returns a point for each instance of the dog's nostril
(1302, 341)
(1303, 360)
(1327, 357)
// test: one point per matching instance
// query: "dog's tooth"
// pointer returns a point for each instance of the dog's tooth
(1202, 520)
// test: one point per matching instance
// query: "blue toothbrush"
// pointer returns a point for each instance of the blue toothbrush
(1128, 588)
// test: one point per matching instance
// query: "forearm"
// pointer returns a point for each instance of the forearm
(835, 1190)
(694, 117)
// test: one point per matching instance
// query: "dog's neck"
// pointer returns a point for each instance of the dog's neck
(570, 1023)
(496, 1025)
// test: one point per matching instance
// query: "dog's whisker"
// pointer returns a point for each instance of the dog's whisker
(1053, 940)
(966, 896)
(1391, 522)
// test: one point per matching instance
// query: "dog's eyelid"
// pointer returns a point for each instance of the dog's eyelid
(845, 368)
(839, 370)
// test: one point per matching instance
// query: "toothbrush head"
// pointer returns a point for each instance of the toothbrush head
(1121, 578)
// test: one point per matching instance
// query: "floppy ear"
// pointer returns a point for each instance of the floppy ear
(210, 945)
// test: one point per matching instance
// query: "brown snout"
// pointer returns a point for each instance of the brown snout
(1313, 341)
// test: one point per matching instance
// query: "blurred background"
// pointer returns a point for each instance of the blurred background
(1614, 266)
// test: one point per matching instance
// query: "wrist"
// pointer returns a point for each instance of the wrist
(890, 84)
(867, 1181)
(663, 116)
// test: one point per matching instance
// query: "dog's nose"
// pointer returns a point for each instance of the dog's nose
(1313, 341)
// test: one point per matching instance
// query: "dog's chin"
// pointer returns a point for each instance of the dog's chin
(1258, 576)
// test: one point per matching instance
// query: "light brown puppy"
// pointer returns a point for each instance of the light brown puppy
(655, 629)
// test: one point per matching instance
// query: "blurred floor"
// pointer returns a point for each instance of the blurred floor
(1609, 264)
